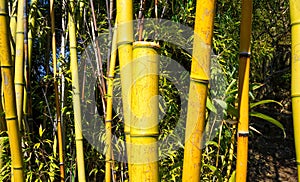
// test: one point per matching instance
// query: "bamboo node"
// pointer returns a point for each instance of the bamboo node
(243, 133)
(245, 54)
(199, 80)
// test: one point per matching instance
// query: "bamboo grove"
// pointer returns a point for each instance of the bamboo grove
(46, 47)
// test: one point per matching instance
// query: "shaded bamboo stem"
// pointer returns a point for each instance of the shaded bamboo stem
(243, 91)
(19, 62)
(76, 94)
(10, 97)
(57, 103)
(198, 89)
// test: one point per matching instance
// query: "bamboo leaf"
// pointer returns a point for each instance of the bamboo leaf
(232, 177)
(210, 105)
(269, 119)
(264, 102)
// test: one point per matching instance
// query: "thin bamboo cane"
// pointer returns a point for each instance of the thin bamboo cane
(19, 62)
(198, 89)
(9, 97)
(109, 108)
(144, 118)
(244, 69)
(57, 103)
(124, 41)
(295, 23)
(76, 94)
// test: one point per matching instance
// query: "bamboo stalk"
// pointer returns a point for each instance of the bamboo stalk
(144, 118)
(295, 19)
(198, 89)
(76, 94)
(109, 108)
(124, 42)
(243, 87)
(10, 97)
(13, 27)
(57, 102)
(19, 62)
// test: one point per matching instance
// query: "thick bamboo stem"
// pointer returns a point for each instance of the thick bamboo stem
(124, 41)
(198, 89)
(295, 22)
(243, 87)
(10, 97)
(144, 117)
(76, 94)
(57, 103)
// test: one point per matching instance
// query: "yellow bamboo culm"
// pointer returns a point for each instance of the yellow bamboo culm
(109, 106)
(124, 42)
(19, 62)
(295, 23)
(144, 118)
(57, 103)
(13, 27)
(76, 95)
(203, 32)
(243, 89)
(10, 97)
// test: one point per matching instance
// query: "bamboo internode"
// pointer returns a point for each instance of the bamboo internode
(243, 88)
(144, 110)
(76, 95)
(295, 23)
(198, 89)
(9, 97)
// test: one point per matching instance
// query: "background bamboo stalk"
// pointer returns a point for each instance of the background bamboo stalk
(243, 89)
(295, 92)
(19, 62)
(9, 96)
(198, 89)
(76, 94)
(124, 42)
(144, 118)
(57, 103)
(13, 28)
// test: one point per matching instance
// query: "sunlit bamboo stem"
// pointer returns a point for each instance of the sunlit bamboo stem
(124, 42)
(198, 89)
(57, 102)
(144, 118)
(76, 94)
(295, 22)
(243, 87)
(10, 97)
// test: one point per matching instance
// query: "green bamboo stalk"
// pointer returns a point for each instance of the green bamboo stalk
(10, 97)
(76, 94)
(198, 89)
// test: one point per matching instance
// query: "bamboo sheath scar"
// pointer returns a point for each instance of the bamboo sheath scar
(9, 97)
(295, 23)
(198, 89)
(243, 91)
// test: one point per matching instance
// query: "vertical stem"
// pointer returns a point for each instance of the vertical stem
(244, 69)
(10, 97)
(19, 62)
(144, 118)
(295, 19)
(124, 42)
(76, 94)
(57, 103)
(198, 89)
